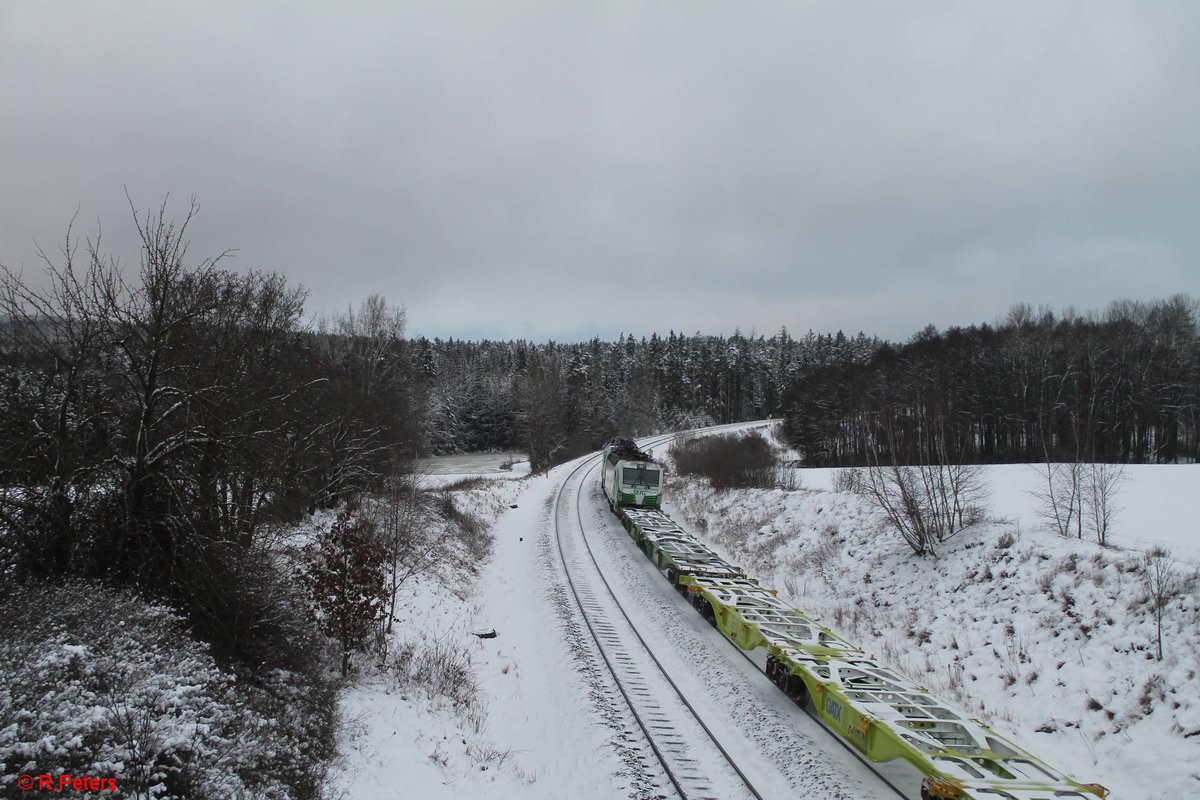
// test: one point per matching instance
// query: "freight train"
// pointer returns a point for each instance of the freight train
(879, 713)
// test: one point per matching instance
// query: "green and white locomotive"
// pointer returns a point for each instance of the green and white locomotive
(631, 478)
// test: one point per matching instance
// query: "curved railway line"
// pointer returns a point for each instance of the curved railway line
(640, 678)
(895, 723)
(687, 750)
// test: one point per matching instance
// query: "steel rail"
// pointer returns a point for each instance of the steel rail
(587, 467)
(590, 465)
(645, 645)
(662, 760)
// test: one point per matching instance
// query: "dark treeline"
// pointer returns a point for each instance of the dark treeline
(558, 400)
(156, 423)
(1122, 386)
(160, 426)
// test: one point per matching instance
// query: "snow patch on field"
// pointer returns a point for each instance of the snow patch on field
(440, 471)
(1156, 503)
(1047, 639)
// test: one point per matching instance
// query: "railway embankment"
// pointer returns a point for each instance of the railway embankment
(1050, 640)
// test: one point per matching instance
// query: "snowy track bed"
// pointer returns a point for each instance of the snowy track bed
(530, 726)
(782, 751)
(689, 754)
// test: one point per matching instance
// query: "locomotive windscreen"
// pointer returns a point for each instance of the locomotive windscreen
(640, 476)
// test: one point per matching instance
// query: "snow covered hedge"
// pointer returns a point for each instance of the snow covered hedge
(100, 683)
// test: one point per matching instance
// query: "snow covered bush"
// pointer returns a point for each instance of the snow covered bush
(928, 503)
(850, 479)
(345, 570)
(100, 683)
(441, 666)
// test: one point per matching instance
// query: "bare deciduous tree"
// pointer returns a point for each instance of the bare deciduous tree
(894, 488)
(1103, 482)
(411, 546)
(370, 405)
(927, 497)
(51, 339)
(927, 504)
(1163, 584)
(1061, 497)
(1079, 498)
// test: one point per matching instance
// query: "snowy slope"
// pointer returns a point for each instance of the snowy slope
(1048, 639)
(1156, 503)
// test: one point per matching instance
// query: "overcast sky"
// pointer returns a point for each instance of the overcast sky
(569, 169)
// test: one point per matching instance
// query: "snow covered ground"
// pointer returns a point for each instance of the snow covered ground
(530, 731)
(440, 471)
(1156, 503)
(1047, 639)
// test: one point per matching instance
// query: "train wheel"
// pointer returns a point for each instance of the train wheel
(797, 690)
(778, 673)
(925, 795)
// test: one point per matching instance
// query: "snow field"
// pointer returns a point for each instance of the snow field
(1047, 639)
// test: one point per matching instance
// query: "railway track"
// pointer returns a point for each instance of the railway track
(679, 743)
(924, 744)
(686, 751)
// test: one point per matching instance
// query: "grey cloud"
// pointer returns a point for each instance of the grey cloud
(549, 170)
